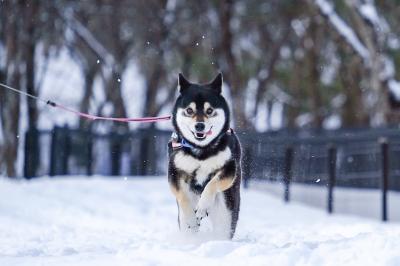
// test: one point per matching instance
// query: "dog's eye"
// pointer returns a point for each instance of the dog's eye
(189, 111)
(209, 111)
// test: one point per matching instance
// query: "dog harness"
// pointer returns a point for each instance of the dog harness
(179, 142)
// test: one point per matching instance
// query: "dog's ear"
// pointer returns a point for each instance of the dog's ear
(183, 83)
(216, 84)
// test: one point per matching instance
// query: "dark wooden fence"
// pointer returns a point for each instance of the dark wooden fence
(65, 151)
(362, 158)
(357, 158)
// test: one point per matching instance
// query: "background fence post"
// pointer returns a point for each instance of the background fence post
(151, 151)
(116, 152)
(288, 172)
(53, 150)
(66, 144)
(246, 166)
(332, 175)
(385, 176)
(32, 155)
(90, 136)
(60, 150)
(143, 152)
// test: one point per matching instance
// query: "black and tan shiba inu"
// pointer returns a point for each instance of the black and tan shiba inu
(204, 169)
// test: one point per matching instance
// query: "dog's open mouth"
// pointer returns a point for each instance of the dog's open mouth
(202, 135)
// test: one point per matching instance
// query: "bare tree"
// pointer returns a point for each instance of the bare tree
(10, 103)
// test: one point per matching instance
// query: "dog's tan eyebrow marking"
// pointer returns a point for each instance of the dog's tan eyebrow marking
(192, 105)
(206, 106)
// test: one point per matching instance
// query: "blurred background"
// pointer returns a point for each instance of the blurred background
(299, 75)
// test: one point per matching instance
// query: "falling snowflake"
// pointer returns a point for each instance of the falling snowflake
(98, 61)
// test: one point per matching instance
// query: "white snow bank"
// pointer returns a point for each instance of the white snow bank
(82, 221)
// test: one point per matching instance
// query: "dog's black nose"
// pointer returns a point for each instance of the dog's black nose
(200, 126)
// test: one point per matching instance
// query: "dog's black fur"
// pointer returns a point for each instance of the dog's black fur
(185, 183)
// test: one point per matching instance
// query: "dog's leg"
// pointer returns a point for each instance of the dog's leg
(218, 183)
(187, 217)
(221, 181)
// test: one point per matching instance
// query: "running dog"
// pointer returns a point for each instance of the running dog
(204, 170)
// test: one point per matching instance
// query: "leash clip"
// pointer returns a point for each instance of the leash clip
(52, 104)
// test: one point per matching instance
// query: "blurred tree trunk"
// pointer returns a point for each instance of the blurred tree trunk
(119, 49)
(150, 106)
(270, 105)
(89, 74)
(353, 111)
(10, 102)
(156, 74)
(272, 49)
(155, 71)
(114, 95)
(293, 110)
(232, 74)
(30, 46)
(30, 26)
(314, 74)
(369, 37)
(2, 99)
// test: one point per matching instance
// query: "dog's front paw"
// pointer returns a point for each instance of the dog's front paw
(202, 208)
(191, 224)
(192, 227)
(200, 215)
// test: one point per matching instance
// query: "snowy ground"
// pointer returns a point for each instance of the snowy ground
(80, 221)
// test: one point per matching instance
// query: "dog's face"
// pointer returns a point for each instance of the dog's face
(200, 113)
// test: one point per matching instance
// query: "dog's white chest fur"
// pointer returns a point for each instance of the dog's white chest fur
(203, 168)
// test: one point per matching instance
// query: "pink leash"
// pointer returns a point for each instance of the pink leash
(118, 119)
(88, 116)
